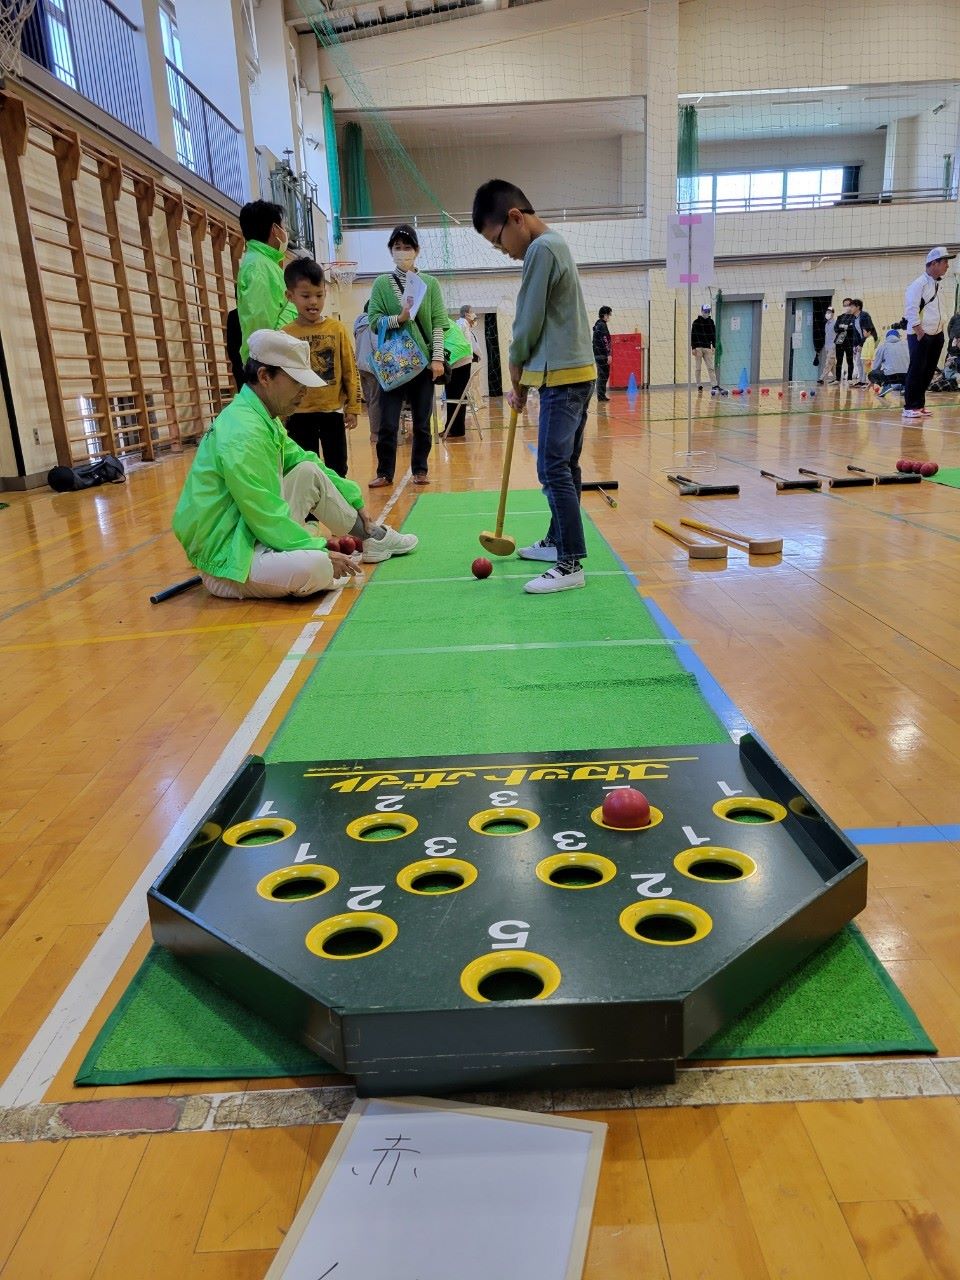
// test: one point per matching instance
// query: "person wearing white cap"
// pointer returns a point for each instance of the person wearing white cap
(703, 339)
(924, 317)
(242, 515)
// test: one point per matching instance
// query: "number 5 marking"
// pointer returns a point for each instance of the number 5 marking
(512, 933)
(646, 881)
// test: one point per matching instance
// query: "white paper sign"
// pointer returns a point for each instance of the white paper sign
(414, 292)
(734, 324)
(424, 1190)
(690, 239)
(796, 341)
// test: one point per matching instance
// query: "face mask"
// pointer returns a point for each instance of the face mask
(404, 258)
(283, 242)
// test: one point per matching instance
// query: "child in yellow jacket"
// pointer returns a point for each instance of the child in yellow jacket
(324, 415)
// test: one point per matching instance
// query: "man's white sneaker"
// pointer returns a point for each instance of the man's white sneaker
(391, 544)
(554, 580)
(911, 413)
(539, 551)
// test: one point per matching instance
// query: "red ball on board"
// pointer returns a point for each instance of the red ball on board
(481, 567)
(626, 807)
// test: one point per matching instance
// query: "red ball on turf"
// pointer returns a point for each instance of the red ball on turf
(929, 469)
(481, 567)
(626, 807)
(333, 544)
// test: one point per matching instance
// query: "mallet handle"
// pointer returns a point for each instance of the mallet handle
(505, 478)
(718, 532)
(175, 590)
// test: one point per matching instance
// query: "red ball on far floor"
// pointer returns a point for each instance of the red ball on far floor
(481, 567)
(929, 469)
(915, 467)
(626, 807)
(334, 544)
(904, 464)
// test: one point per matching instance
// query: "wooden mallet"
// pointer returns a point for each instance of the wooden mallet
(755, 546)
(498, 543)
(696, 549)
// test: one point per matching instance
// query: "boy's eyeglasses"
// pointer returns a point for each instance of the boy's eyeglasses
(503, 226)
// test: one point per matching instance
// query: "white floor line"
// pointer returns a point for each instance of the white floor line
(49, 1048)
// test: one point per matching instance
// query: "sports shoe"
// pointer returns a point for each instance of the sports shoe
(926, 413)
(339, 582)
(541, 550)
(911, 413)
(555, 580)
(391, 544)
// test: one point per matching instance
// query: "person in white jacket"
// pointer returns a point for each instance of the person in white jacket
(922, 310)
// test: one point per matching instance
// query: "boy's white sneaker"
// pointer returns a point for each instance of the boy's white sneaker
(539, 551)
(911, 413)
(554, 580)
(391, 544)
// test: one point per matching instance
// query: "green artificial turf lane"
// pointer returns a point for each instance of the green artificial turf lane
(432, 661)
(171, 1024)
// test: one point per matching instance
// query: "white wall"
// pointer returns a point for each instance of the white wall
(764, 44)
(589, 175)
(272, 101)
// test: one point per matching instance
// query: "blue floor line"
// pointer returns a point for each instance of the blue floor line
(734, 721)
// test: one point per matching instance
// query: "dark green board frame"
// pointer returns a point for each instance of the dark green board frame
(625, 1010)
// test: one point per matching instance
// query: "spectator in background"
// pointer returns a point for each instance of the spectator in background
(843, 341)
(703, 341)
(953, 336)
(601, 351)
(890, 362)
(363, 349)
(262, 301)
(468, 323)
(457, 349)
(921, 309)
(863, 329)
(427, 329)
(826, 354)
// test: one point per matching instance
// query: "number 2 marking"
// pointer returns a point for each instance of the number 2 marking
(647, 880)
(389, 804)
(364, 897)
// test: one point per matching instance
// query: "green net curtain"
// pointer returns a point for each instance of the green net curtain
(688, 155)
(333, 166)
(358, 203)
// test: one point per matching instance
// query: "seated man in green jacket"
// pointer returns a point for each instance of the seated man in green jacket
(262, 301)
(242, 515)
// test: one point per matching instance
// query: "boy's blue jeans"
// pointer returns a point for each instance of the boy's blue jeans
(563, 416)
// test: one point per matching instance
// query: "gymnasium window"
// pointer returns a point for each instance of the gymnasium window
(61, 49)
(176, 84)
(774, 189)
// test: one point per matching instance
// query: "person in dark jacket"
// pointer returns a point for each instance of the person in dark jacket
(601, 351)
(703, 341)
(843, 341)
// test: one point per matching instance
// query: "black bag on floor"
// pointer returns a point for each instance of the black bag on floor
(107, 470)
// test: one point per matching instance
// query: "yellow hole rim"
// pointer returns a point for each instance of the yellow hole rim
(695, 916)
(431, 866)
(486, 816)
(358, 829)
(592, 861)
(715, 853)
(754, 804)
(209, 832)
(541, 967)
(280, 827)
(804, 809)
(326, 879)
(656, 817)
(320, 935)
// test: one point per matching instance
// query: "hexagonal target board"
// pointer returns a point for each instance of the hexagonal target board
(431, 925)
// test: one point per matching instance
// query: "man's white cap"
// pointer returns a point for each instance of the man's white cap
(939, 252)
(705, 307)
(286, 352)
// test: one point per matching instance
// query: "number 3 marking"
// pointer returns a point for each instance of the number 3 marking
(567, 840)
(647, 881)
(503, 798)
(438, 846)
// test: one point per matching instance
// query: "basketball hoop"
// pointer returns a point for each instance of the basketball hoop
(342, 273)
(13, 15)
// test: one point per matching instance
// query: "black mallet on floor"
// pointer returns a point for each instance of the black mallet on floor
(838, 482)
(784, 485)
(175, 590)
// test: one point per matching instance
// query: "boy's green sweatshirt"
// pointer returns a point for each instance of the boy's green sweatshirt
(552, 341)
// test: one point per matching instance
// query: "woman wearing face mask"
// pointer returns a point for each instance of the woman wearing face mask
(388, 298)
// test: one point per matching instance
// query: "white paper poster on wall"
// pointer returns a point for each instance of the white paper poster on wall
(734, 324)
(419, 1189)
(690, 238)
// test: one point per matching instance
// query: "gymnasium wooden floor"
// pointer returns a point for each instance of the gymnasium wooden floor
(843, 656)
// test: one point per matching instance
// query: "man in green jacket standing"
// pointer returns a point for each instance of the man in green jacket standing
(262, 301)
(242, 515)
